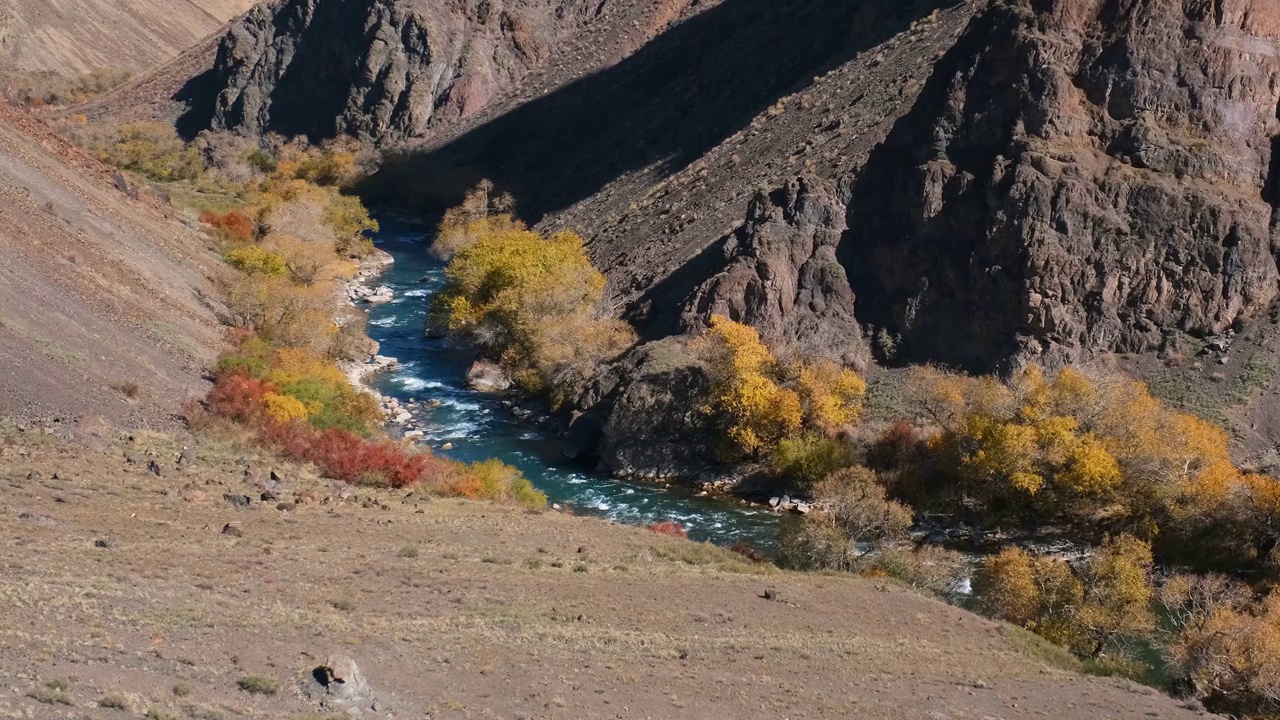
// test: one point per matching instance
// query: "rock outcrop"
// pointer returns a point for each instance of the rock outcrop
(1077, 177)
(642, 416)
(781, 275)
(379, 69)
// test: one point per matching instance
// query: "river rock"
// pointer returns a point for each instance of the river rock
(382, 294)
(486, 376)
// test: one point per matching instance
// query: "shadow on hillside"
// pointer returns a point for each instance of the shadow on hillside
(947, 280)
(670, 102)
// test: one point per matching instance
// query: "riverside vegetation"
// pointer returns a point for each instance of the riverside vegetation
(290, 237)
(1183, 543)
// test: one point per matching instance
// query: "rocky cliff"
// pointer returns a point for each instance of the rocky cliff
(781, 275)
(1077, 177)
(384, 70)
(1018, 178)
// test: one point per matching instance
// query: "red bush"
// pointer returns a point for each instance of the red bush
(238, 397)
(670, 527)
(232, 226)
(893, 448)
(346, 456)
(746, 550)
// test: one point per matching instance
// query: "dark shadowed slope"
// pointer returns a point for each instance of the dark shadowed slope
(672, 101)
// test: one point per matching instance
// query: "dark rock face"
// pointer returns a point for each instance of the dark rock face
(643, 414)
(782, 277)
(1076, 177)
(377, 69)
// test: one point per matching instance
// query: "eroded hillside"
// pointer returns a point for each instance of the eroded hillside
(105, 297)
(72, 38)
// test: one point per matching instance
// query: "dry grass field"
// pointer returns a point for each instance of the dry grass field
(131, 594)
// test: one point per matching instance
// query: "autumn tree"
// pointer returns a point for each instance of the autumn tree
(306, 262)
(1039, 594)
(857, 502)
(746, 396)
(1118, 594)
(1224, 647)
(830, 395)
(564, 352)
(1089, 609)
(282, 312)
(254, 260)
(856, 518)
(350, 220)
(531, 302)
(482, 212)
(1076, 447)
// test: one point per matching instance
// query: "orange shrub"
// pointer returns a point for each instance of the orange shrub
(239, 397)
(670, 527)
(231, 227)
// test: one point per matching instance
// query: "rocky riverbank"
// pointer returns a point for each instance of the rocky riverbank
(362, 290)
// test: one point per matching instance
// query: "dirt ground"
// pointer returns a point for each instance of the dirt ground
(124, 596)
(105, 300)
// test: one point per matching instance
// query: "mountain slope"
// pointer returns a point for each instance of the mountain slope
(73, 37)
(1078, 177)
(389, 70)
(1017, 180)
(103, 298)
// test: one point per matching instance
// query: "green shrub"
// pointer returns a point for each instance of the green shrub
(350, 219)
(258, 685)
(495, 480)
(808, 459)
(252, 259)
(153, 150)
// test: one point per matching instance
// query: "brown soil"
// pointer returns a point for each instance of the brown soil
(103, 298)
(452, 609)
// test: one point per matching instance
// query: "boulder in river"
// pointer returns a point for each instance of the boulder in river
(487, 376)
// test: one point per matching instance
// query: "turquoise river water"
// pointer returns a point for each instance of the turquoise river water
(480, 427)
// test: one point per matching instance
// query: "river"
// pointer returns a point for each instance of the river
(480, 427)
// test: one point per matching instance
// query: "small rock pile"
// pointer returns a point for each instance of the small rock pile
(369, 295)
(785, 504)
